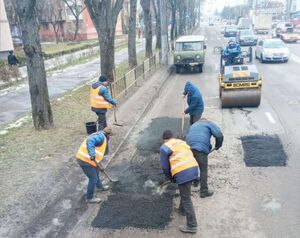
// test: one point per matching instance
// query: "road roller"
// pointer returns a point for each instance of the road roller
(239, 83)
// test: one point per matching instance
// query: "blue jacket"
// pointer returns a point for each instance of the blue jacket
(104, 93)
(232, 51)
(194, 100)
(95, 140)
(199, 134)
(182, 177)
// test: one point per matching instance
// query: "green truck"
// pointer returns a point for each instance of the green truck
(189, 53)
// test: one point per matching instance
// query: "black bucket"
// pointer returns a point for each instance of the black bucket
(91, 127)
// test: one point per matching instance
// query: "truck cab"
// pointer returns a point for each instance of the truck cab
(189, 53)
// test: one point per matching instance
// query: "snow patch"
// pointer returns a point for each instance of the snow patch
(271, 205)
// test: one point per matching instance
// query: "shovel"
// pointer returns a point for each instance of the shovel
(182, 119)
(113, 94)
(115, 118)
(100, 167)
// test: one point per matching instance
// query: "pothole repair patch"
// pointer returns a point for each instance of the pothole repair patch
(263, 151)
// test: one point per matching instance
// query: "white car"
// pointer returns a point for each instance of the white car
(273, 50)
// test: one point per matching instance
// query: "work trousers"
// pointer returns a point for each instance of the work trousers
(101, 121)
(202, 160)
(186, 204)
(93, 175)
(194, 118)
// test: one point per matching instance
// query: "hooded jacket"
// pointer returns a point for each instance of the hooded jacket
(194, 100)
(104, 93)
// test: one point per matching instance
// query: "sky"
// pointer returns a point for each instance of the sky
(211, 5)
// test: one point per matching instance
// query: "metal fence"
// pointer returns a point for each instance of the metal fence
(142, 71)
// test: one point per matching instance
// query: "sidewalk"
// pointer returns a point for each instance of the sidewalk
(15, 100)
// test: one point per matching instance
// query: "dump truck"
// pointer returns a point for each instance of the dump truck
(262, 23)
(239, 84)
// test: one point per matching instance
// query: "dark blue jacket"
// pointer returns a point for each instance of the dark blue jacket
(12, 59)
(182, 177)
(95, 140)
(232, 51)
(194, 100)
(199, 134)
(103, 91)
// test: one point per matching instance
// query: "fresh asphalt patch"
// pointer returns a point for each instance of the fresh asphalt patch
(263, 151)
(151, 139)
(134, 201)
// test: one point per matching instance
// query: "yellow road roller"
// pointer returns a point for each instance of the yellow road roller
(240, 83)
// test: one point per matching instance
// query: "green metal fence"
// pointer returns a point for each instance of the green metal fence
(131, 78)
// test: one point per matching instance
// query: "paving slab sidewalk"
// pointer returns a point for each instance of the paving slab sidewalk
(15, 101)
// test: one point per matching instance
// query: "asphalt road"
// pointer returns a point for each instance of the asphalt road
(248, 201)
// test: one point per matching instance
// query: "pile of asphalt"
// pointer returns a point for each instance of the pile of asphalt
(134, 201)
(151, 138)
(263, 151)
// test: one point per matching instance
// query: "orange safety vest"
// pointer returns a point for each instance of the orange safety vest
(96, 100)
(182, 157)
(83, 153)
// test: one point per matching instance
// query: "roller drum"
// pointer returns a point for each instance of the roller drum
(240, 97)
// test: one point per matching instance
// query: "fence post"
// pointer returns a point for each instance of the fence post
(125, 84)
(135, 77)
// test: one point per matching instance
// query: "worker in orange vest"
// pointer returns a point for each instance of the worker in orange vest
(180, 166)
(101, 100)
(90, 153)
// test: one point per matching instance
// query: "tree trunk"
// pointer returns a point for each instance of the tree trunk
(41, 108)
(104, 16)
(132, 35)
(148, 26)
(156, 8)
(76, 27)
(181, 18)
(173, 25)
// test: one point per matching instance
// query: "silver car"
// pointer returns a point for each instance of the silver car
(272, 50)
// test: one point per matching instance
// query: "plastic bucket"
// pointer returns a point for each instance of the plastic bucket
(91, 127)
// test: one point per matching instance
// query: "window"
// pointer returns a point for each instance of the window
(260, 43)
(189, 46)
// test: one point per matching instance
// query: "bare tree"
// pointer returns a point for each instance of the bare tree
(148, 26)
(132, 35)
(41, 108)
(104, 14)
(174, 21)
(156, 9)
(76, 8)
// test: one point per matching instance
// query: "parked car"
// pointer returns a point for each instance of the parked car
(246, 38)
(273, 50)
(230, 31)
(189, 53)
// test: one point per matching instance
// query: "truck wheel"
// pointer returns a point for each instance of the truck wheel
(200, 68)
(177, 69)
(262, 59)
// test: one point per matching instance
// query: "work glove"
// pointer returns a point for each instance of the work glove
(92, 158)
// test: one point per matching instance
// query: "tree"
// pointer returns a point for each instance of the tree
(156, 9)
(41, 108)
(174, 21)
(148, 26)
(132, 35)
(76, 8)
(104, 14)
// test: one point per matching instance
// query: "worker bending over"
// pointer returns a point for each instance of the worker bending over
(195, 102)
(180, 167)
(198, 138)
(101, 100)
(90, 153)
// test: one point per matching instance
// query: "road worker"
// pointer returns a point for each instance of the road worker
(90, 153)
(101, 100)
(180, 166)
(198, 138)
(232, 50)
(195, 102)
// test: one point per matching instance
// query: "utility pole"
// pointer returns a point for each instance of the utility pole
(164, 32)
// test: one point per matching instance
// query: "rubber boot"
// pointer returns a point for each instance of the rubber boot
(188, 229)
(207, 193)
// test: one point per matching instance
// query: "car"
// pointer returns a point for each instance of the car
(246, 38)
(230, 31)
(272, 50)
(189, 53)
